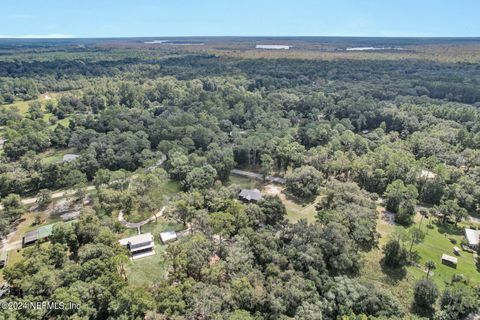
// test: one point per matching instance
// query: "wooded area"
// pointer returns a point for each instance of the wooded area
(359, 140)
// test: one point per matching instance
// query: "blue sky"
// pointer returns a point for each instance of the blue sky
(134, 18)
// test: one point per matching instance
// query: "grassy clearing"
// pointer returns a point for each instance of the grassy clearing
(246, 183)
(150, 270)
(437, 241)
(163, 194)
(22, 106)
(296, 210)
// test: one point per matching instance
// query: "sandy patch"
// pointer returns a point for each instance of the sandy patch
(272, 190)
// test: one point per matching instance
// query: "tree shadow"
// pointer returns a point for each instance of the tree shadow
(394, 275)
(449, 228)
(299, 201)
(422, 311)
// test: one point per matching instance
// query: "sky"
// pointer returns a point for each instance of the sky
(155, 18)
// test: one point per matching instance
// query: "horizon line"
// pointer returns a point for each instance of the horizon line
(66, 37)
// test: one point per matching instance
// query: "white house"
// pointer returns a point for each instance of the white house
(473, 237)
(140, 246)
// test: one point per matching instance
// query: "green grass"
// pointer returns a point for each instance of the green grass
(163, 194)
(436, 242)
(295, 209)
(150, 270)
(245, 183)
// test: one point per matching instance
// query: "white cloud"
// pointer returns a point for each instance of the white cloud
(40, 36)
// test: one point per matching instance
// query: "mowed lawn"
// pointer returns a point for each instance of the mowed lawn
(436, 242)
(151, 270)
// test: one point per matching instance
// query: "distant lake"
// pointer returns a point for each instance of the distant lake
(272, 46)
(372, 48)
(175, 43)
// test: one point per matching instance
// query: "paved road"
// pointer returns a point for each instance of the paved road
(257, 176)
(61, 194)
(55, 195)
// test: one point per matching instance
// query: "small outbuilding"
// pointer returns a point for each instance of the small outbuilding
(250, 195)
(449, 260)
(168, 236)
(39, 234)
(456, 250)
(140, 246)
(472, 237)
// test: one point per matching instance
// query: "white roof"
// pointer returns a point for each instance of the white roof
(446, 257)
(473, 236)
(138, 239)
(168, 235)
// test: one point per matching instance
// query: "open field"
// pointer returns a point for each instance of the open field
(295, 209)
(149, 270)
(437, 241)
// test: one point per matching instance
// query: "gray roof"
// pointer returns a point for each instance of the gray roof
(70, 157)
(140, 241)
(30, 237)
(168, 236)
(250, 194)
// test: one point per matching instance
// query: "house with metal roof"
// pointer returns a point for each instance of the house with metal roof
(140, 246)
(472, 237)
(39, 234)
(250, 195)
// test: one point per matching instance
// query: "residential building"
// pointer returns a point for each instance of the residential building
(140, 246)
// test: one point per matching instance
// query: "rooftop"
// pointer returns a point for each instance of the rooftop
(168, 236)
(473, 236)
(250, 194)
(137, 240)
(449, 258)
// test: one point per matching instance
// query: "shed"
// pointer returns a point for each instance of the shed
(456, 250)
(449, 260)
(250, 195)
(3, 258)
(30, 238)
(168, 236)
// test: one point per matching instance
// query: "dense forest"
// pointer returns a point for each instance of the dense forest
(348, 135)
